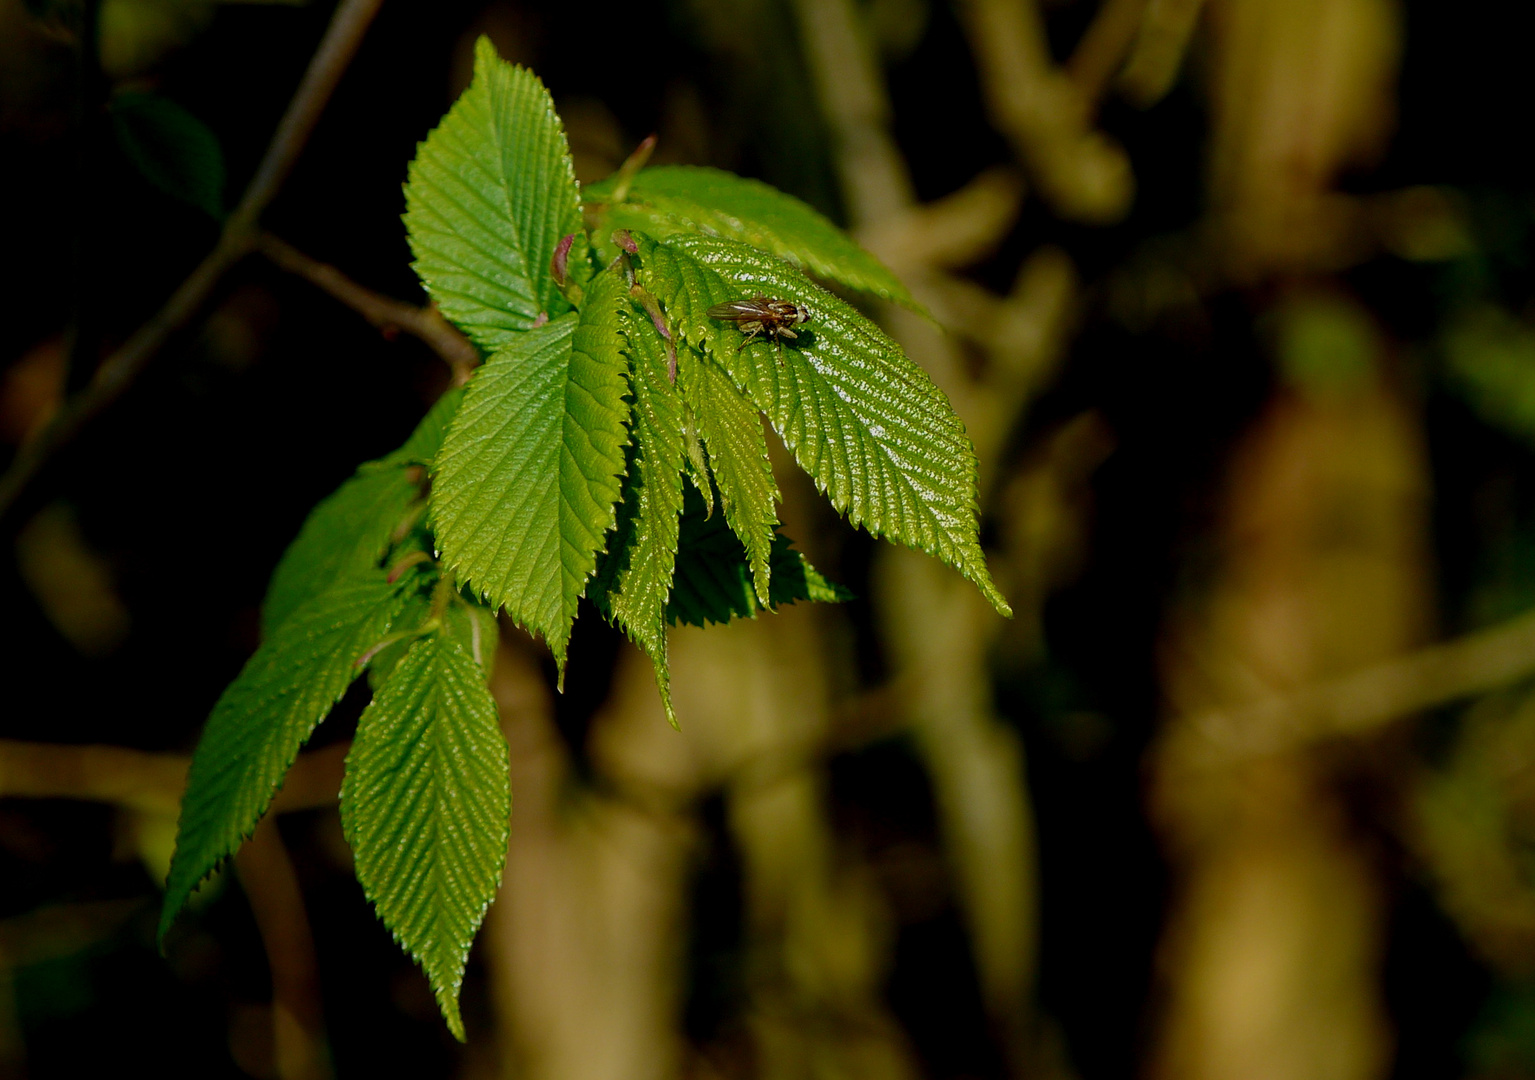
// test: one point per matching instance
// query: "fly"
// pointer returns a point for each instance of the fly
(761, 315)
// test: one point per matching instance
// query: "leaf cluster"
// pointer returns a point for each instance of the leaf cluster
(610, 449)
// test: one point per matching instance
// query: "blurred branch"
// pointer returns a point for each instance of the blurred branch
(1160, 45)
(1078, 170)
(384, 312)
(119, 371)
(956, 230)
(937, 636)
(272, 888)
(137, 780)
(1104, 47)
(1367, 699)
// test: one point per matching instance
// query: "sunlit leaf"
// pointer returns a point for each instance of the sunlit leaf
(863, 420)
(526, 482)
(425, 805)
(491, 192)
(672, 199)
(644, 545)
(731, 428)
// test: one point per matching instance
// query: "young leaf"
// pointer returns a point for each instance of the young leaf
(864, 421)
(350, 530)
(645, 544)
(173, 149)
(425, 805)
(682, 198)
(526, 482)
(491, 192)
(426, 440)
(711, 579)
(738, 457)
(265, 716)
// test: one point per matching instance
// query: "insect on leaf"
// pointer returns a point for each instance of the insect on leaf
(526, 482)
(491, 192)
(265, 716)
(863, 420)
(671, 199)
(425, 805)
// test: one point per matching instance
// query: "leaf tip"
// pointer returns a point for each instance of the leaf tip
(484, 52)
(447, 1001)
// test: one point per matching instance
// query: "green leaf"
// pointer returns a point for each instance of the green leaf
(644, 546)
(863, 420)
(264, 717)
(474, 627)
(491, 192)
(738, 457)
(173, 149)
(426, 440)
(672, 199)
(426, 804)
(711, 583)
(351, 529)
(526, 482)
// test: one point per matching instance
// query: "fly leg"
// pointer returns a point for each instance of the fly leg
(753, 329)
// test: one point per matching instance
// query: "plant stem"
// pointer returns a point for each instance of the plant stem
(384, 312)
(1368, 699)
(123, 367)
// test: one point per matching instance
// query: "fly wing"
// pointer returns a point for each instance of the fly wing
(737, 310)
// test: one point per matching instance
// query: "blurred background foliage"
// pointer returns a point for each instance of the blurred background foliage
(1237, 306)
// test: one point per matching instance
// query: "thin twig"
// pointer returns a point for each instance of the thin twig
(118, 371)
(1367, 699)
(384, 312)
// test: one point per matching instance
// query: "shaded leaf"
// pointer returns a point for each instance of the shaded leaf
(712, 583)
(175, 151)
(265, 716)
(491, 192)
(863, 420)
(350, 530)
(672, 199)
(426, 804)
(527, 480)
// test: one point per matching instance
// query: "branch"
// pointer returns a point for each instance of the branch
(384, 312)
(124, 366)
(277, 902)
(1104, 48)
(1077, 170)
(1367, 699)
(142, 781)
